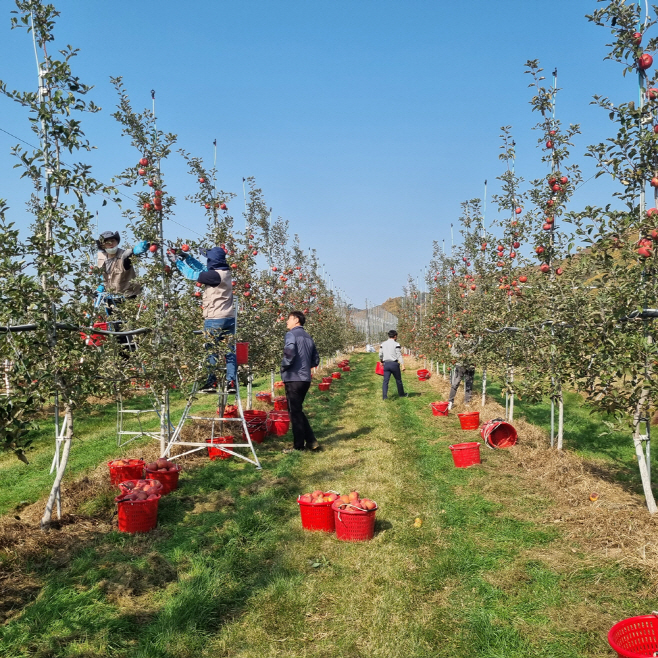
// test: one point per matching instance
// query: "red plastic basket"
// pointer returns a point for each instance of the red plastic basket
(335, 375)
(327, 380)
(499, 434)
(242, 353)
(440, 408)
(423, 375)
(137, 515)
(280, 403)
(470, 421)
(324, 386)
(465, 454)
(218, 453)
(279, 385)
(264, 397)
(353, 524)
(317, 516)
(346, 369)
(132, 471)
(169, 479)
(127, 486)
(256, 421)
(636, 637)
(278, 423)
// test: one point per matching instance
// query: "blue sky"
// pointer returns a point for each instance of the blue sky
(365, 122)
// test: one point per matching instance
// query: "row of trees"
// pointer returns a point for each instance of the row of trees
(556, 297)
(48, 277)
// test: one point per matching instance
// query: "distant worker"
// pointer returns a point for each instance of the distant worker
(299, 357)
(218, 311)
(461, 351)
(390, 354)
(118, 271)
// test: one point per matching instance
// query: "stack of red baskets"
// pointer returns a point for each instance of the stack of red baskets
(256, 424)
(423, 374)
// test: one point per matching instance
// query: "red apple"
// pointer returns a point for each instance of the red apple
(559, 271)
(207, 206)
(549, 144)
(523, 279)
(516, 245)
(564, 180)
(223, 206)
(473, 287)
(234, 266)
(553, 132)
(518, 211)
(512, 255)
(652, 211)
(158, 193)
(539, 250)
(654, 235)
(275, 268)
(550, 202)
(141, 172)
(637, 38)
(147, 206)
(202, 180)
(645, 252)
(556, 188)
(197, 294)
(144, 162)
(153, 248)
(185, 247)
(149, 183)
(545, 268)
(552, 180)
(547, 227)
(246, 294)
(652, 94)
(645, 61)
(255, 253)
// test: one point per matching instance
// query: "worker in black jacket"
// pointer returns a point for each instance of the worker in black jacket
(299, 356)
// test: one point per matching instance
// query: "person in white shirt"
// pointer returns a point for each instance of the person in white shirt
(390, 354)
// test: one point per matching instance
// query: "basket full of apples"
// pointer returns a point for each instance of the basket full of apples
(166, 472)
(354, 517)
(316, 512)
(125, 469)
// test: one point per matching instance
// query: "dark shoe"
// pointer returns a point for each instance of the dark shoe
(313, 446)
(404, 395)
(209, 388)
(231, 390)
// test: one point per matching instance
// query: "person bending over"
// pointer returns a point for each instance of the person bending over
(218, 310)
(390, 354)
(299, 356)
(461, 351)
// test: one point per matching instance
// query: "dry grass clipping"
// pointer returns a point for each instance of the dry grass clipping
(616, 526)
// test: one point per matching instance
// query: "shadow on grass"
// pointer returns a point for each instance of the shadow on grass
(217, 545)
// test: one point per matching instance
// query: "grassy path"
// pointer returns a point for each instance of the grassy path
(230, 572)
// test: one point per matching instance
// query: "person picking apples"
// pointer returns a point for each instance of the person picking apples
(461, 351)
(390, 354)
(218, 311)
(118, 271)
(299, 356)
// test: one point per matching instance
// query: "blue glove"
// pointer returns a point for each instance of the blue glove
(100, 288)
(140, 248)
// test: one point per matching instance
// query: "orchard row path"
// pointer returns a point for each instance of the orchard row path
(463, 563)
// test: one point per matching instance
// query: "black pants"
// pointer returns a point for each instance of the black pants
(467, 373)
(301, 428)
(392, 368)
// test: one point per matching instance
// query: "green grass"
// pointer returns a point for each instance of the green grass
(230, 572)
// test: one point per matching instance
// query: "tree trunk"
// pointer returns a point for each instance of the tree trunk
(54, 492)
(641, 457)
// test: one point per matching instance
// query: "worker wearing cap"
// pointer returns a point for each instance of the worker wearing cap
(117, 269)
(218, 310)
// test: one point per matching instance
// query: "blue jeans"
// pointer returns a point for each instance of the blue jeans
(392, 368)
(217, 330)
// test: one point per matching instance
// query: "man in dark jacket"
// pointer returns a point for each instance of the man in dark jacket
(299, 356)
